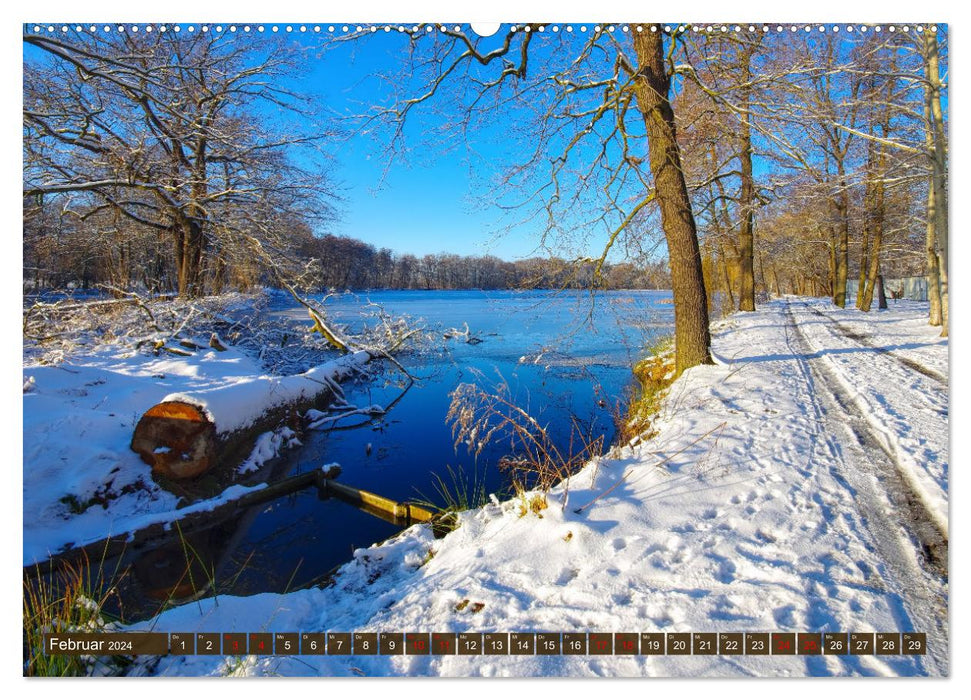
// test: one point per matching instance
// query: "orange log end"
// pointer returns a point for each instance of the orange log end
(176, 439)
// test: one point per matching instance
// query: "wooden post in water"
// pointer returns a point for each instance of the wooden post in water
(384, 508)
(403, 514)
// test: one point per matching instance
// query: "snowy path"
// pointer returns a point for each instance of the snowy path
(764, 504)
(904, 403)
(907, 535)
(900, 331)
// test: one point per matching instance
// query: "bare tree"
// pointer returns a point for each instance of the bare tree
(831, 101)
(588, 108)
(721, 66)
(936, 141)
(178, 134)
(878, 96)
(920, 137)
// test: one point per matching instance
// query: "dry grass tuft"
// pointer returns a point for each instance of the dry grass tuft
(483, 415)
(68, 600)
(655, 374)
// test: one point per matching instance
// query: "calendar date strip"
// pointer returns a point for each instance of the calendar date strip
(488, 643)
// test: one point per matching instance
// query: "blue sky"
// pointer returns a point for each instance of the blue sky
(427, 202)
(441, 196)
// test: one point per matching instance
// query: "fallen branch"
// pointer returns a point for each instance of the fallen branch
(318, 419)
(315, 314)
(138, 301)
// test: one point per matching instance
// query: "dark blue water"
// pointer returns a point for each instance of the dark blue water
(559, 354)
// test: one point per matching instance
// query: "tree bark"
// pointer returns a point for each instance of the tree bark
(692, 336)
(727, 278)
(861, 280)
(189, 244)
(876, 221)
(832, 262)
(874, 270)
(938, 184)
(746, 233)
(843, 239)
(881, 293)
(932, 269)
(930, 239)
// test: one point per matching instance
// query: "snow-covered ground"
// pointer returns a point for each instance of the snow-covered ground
(898, 383)
(799, 484)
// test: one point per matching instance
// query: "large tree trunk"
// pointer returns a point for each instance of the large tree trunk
(746, 232)
(832, 262)
(942, 272)
(866, 296)
(868, 222)
(864, 261)
(183, 436)
(930, 252)
(935, 316)
(192, 240)
(189, 243)
(691, 333)
(938, 185)
(875, 221)
(881, 296)
(843, 240)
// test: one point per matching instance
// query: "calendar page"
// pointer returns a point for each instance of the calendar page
(517, 349)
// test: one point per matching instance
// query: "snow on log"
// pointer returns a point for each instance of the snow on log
(185, 435)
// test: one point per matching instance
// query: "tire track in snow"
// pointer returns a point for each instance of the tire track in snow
(890, 415)
(833, 456)
(932, 394)
(913, 549)
(864, 341)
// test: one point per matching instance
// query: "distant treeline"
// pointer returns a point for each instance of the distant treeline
(66, 251)
(346, 263)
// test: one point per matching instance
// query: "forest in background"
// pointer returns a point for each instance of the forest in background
(77, 259)
(780, 159)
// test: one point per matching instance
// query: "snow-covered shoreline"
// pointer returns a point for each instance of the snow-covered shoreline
(82, 481)
(752, 510)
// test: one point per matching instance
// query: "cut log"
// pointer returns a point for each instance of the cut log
(187, 435)
(177, 439)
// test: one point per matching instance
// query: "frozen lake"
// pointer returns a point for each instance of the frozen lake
(561, 354)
